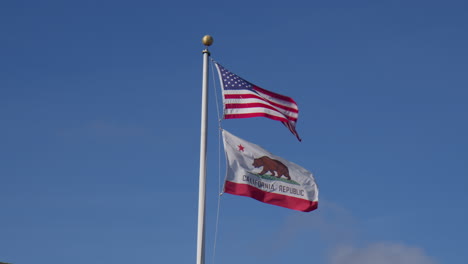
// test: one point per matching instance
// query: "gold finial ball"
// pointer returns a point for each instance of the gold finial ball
(207, 40)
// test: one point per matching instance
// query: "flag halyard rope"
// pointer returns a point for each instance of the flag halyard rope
(220, 192)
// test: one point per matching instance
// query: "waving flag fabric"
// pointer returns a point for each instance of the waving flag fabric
(254, 172)
(243, 99)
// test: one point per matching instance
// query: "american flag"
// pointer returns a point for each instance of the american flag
(243, 99)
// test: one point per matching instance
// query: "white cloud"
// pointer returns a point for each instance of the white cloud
(380, 253)
(340, 232)
(341, 236)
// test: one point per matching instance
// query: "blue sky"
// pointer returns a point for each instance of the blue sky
(100, 127)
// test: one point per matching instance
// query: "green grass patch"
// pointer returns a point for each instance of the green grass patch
(273, 178)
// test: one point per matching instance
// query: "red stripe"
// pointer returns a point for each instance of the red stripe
(270, 198)
(275, 95)
(251, 96)
(260, 105)
(247, 115)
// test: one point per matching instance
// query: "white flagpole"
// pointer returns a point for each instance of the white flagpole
(207, 41)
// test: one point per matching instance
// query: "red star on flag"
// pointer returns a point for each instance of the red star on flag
(241, 148)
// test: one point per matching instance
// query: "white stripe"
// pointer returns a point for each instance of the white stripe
(252, 110)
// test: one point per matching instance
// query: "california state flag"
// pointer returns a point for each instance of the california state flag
(254, 172)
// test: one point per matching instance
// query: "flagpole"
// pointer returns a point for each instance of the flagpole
(207, 41)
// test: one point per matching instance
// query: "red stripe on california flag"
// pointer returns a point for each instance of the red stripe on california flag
(251, 96)
(270, 198)
(275, 95)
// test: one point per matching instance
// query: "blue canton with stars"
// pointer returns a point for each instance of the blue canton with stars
(232, 81)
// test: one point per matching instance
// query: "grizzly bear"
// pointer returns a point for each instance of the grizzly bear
(271, 165)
